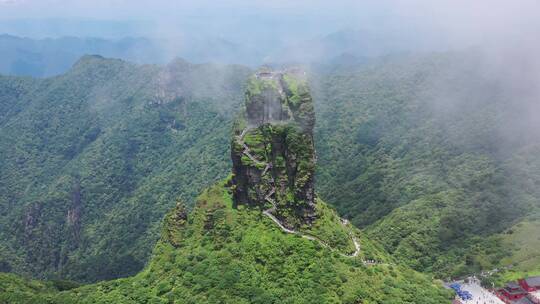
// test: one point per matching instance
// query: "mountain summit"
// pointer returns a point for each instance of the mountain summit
(272, 148)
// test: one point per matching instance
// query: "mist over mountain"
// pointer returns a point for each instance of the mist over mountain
(267, 151)
(354, 43)
(54, 56)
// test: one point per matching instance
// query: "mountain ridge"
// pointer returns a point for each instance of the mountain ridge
(390, 132)
(231, 249)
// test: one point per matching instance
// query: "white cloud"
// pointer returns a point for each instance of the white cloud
(11, 2)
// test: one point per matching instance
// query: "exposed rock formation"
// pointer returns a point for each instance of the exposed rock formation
(75, 211)
(272, 149)
(32, 216)
(174, 223)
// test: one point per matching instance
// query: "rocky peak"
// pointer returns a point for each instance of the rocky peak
(276, 97)
(272, 147)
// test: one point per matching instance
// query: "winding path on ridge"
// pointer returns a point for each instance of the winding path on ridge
(268, 212)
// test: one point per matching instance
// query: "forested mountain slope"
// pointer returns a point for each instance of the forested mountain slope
(92, 159)
(431, 155)
(259, 236)
(222, 254)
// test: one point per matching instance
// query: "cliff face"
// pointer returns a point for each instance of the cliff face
(272, 148)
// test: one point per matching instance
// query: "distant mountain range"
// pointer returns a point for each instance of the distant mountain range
(54, 56)
(46, 57)
(349, 43)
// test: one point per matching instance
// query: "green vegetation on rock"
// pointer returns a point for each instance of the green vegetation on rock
(222, 254)
(273, 154)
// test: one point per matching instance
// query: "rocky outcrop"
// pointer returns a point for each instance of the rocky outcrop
(75, 211)
(32, 216)
(175, 221)
(272, 147)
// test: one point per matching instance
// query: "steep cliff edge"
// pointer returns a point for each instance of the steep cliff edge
(272, 148)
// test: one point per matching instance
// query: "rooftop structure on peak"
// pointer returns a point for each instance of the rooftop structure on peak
(265, 74)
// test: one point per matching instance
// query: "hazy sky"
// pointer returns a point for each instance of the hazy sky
(457, 18)
(164, 18)
(271, 24)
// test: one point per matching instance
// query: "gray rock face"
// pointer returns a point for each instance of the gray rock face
(267, 106)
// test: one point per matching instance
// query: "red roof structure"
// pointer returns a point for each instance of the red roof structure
(530, 284)
(512, 292)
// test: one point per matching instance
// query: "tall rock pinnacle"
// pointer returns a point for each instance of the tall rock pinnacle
(272, 147)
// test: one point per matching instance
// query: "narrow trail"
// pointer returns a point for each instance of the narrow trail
(268, 212)
(248, 154)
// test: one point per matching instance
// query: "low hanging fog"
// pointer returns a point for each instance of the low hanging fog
(57, 32)
(256, 32)
(45, 37)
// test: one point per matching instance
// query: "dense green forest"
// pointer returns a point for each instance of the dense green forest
(425, 154)
(92, 160)
(221, 254)
(432, 156)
